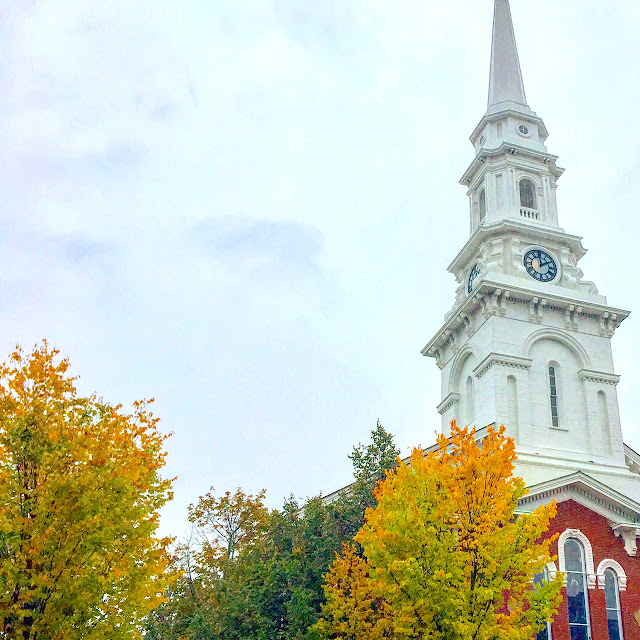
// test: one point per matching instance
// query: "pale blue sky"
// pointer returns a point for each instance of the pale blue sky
(245, 208)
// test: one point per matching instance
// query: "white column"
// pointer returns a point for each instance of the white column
(492, 203)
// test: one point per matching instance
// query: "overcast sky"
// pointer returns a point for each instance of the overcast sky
(245, 208)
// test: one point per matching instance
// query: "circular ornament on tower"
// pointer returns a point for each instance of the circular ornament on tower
(473, 276)
(540, 265)
(524, 129)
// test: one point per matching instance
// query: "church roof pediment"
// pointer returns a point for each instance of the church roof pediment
(587, 491)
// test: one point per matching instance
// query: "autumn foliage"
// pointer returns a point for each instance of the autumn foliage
(254, 574)
(227, 525)
(80, 490)
(444, 555)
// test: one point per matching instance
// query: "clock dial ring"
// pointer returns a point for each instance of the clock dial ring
(473, 276)
(540, 265)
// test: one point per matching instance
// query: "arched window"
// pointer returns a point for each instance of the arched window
(512, 405)
(527, 194)
(554, 393)
(470, 407)
(612, 596)
(604, 422)
(577, 598)
(545, 632)
(483, 206)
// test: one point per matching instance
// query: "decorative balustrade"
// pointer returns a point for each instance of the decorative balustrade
(530, 214)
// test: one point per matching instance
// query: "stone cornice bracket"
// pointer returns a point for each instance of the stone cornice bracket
(452, 339)
(495, 303)
(571, 316)
(609, 322)
(438, 355)
(599, 376)
(503, 303)
(501, 359)
(467, 326)
(536, 309)
(629, 534)
(448, 402)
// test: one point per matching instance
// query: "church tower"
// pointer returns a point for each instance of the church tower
(527, 343)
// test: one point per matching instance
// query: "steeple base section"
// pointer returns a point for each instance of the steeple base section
(544, 370)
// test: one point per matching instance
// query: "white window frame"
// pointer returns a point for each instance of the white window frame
(588, 571)
(557, 370)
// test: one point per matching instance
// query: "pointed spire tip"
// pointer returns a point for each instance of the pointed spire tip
(505, 79)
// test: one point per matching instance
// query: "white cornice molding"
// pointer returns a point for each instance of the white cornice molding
(632, 459)
(509, 109)
(448, 402)
(593, 494)
(512, 225)
(494, 284)
(501, 359)
(509, 148)
(598, 376)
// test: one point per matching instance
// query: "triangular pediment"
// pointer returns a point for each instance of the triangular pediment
(587, 491)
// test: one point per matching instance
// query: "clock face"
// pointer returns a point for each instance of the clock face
(540, 265)
(473, 275)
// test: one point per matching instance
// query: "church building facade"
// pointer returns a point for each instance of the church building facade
(527, 344)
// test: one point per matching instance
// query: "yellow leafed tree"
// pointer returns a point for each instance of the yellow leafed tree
(354, 610)
(446, 552)
(80, 490)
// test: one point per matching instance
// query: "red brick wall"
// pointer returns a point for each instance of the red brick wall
(572, 515)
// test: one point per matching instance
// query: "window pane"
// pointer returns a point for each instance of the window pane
(577, 605)
(614, 631)
(527, 194)
(543, 635)
(579, 633)
(573, 556)
(613, 604)
(553, 396)
(610, 588)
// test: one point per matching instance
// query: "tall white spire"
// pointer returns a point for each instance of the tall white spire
(505, 81)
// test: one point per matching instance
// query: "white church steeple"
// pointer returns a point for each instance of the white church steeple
(505, 79)
(513, 175)
(528, 341)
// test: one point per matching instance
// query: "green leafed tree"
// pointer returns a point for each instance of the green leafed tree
(271, 585)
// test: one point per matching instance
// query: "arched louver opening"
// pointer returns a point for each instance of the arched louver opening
(483, 206)
(470, 407)
(528, 200)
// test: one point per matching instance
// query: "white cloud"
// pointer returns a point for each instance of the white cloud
(245, 208)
